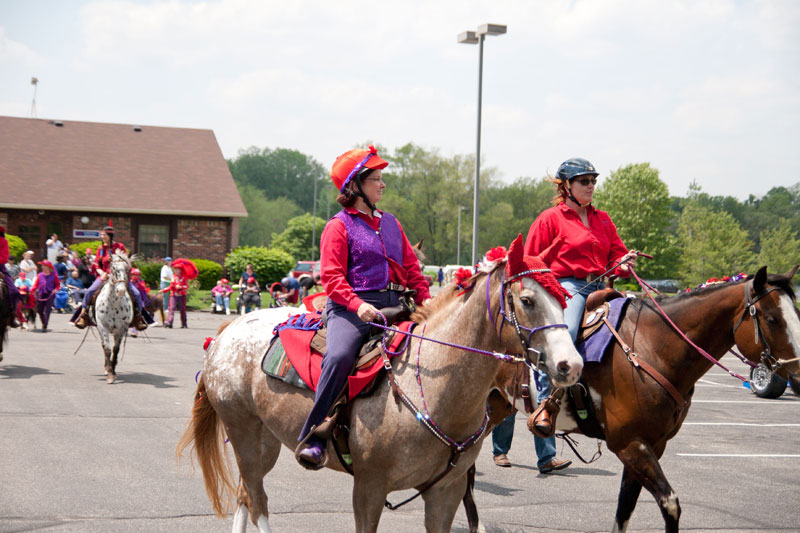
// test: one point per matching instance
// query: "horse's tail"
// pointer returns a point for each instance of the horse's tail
(205, 431)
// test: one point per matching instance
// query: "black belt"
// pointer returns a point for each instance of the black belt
(393, 287)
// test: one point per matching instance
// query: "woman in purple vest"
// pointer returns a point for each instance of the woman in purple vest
(366, 264)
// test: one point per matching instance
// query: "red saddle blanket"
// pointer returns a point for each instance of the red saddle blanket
(307, 362)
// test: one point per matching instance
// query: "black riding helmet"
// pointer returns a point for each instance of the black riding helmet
(571, 169)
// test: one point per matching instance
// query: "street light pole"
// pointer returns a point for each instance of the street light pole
(477, 37)
(314, 221)
(458, 250)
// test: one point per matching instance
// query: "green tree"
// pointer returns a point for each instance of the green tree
(424, 190)
(265, 216)
(639, 204)
(780, 248)
(279, 173)
(296, 238)
(713, 245)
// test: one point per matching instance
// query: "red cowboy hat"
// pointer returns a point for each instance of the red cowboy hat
(189, 268)
(349, 163)
(135, 272)
(223, 280)
(46, 263)
(251, 280)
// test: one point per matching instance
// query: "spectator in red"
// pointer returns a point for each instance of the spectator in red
(178, 289)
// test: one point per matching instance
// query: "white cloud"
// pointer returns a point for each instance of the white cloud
(13, 52)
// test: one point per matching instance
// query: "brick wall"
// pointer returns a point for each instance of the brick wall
(122, 227)
(203, 238)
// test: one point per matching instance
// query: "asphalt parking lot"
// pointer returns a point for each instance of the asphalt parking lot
(77, 454)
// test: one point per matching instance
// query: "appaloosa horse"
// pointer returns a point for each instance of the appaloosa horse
(390, 445)
(637, 415)
(114, 311)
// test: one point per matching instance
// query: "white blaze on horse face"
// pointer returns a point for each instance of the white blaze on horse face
(556, 342)
(789, 312)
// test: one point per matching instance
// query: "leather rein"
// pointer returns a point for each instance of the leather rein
(750, 308)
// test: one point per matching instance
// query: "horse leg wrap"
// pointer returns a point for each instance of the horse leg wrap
(542, 422)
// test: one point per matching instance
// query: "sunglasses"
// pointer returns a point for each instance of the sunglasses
(586, 181)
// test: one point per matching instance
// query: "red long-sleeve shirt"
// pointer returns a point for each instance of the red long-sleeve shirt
(178, 287)
(333, 264)
(3, 250)
(574, 249)
(102, 258)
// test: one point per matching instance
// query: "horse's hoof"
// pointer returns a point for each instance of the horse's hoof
(110, 378)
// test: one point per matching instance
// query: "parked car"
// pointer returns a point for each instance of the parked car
(664, 285)
(766, 384)
(310, 268)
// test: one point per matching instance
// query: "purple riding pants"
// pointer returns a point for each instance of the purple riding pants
(346, 334)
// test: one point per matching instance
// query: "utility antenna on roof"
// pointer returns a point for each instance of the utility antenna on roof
(35, 83)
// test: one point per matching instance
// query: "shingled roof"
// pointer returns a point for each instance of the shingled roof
(90, 166)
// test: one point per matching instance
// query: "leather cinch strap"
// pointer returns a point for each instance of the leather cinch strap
(647, 367)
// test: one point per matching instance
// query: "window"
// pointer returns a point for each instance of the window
(153, 240)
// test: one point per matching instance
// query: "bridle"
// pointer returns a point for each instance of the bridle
(750, 308)
(539, 357)
(113, 276)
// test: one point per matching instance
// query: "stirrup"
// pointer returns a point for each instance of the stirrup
(302, 446)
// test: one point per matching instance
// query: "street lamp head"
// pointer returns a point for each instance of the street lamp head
(468, 37)
(491, 29)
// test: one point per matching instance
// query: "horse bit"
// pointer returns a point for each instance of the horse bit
(540, 357)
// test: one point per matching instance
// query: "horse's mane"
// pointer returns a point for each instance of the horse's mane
(445, 296)
(778, 280)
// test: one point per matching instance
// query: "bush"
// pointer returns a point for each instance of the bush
(151, 272)
(80, 247)
(269, 264)
(208, 273)
(16, 247)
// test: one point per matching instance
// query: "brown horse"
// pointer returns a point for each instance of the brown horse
(637, 415)
(391, 450)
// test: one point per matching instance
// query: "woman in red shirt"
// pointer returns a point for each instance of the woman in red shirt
(580, 243)
(366, 263)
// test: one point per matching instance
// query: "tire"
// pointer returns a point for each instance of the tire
(794, 383)
(765, 384)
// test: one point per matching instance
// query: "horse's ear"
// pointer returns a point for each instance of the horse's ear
(549, 254)
(418, 246)
(516, 252)
(791, 273)
(760, 281)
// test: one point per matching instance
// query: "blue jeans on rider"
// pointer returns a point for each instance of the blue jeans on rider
(579, 290)
(346, 334)
(504, 432)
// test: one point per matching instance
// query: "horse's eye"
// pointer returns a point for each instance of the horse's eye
(772, 320)
(527, 301)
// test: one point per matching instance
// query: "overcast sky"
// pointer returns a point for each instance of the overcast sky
(703, 90)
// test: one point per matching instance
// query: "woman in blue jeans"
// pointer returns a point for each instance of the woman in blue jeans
(581, 245)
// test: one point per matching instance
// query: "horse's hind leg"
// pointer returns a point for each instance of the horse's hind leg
(441, 504)
(256, 450)
(642, 466)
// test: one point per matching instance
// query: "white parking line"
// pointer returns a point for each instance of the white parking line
(759, 402)
(741, 424)
(705, 381)
(781, 455)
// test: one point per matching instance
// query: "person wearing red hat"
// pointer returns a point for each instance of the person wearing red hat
(101, 268)
(177, 289)
(367, 263)
(251, 295)
(13, 292)
(222, 296)
(44, 290)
